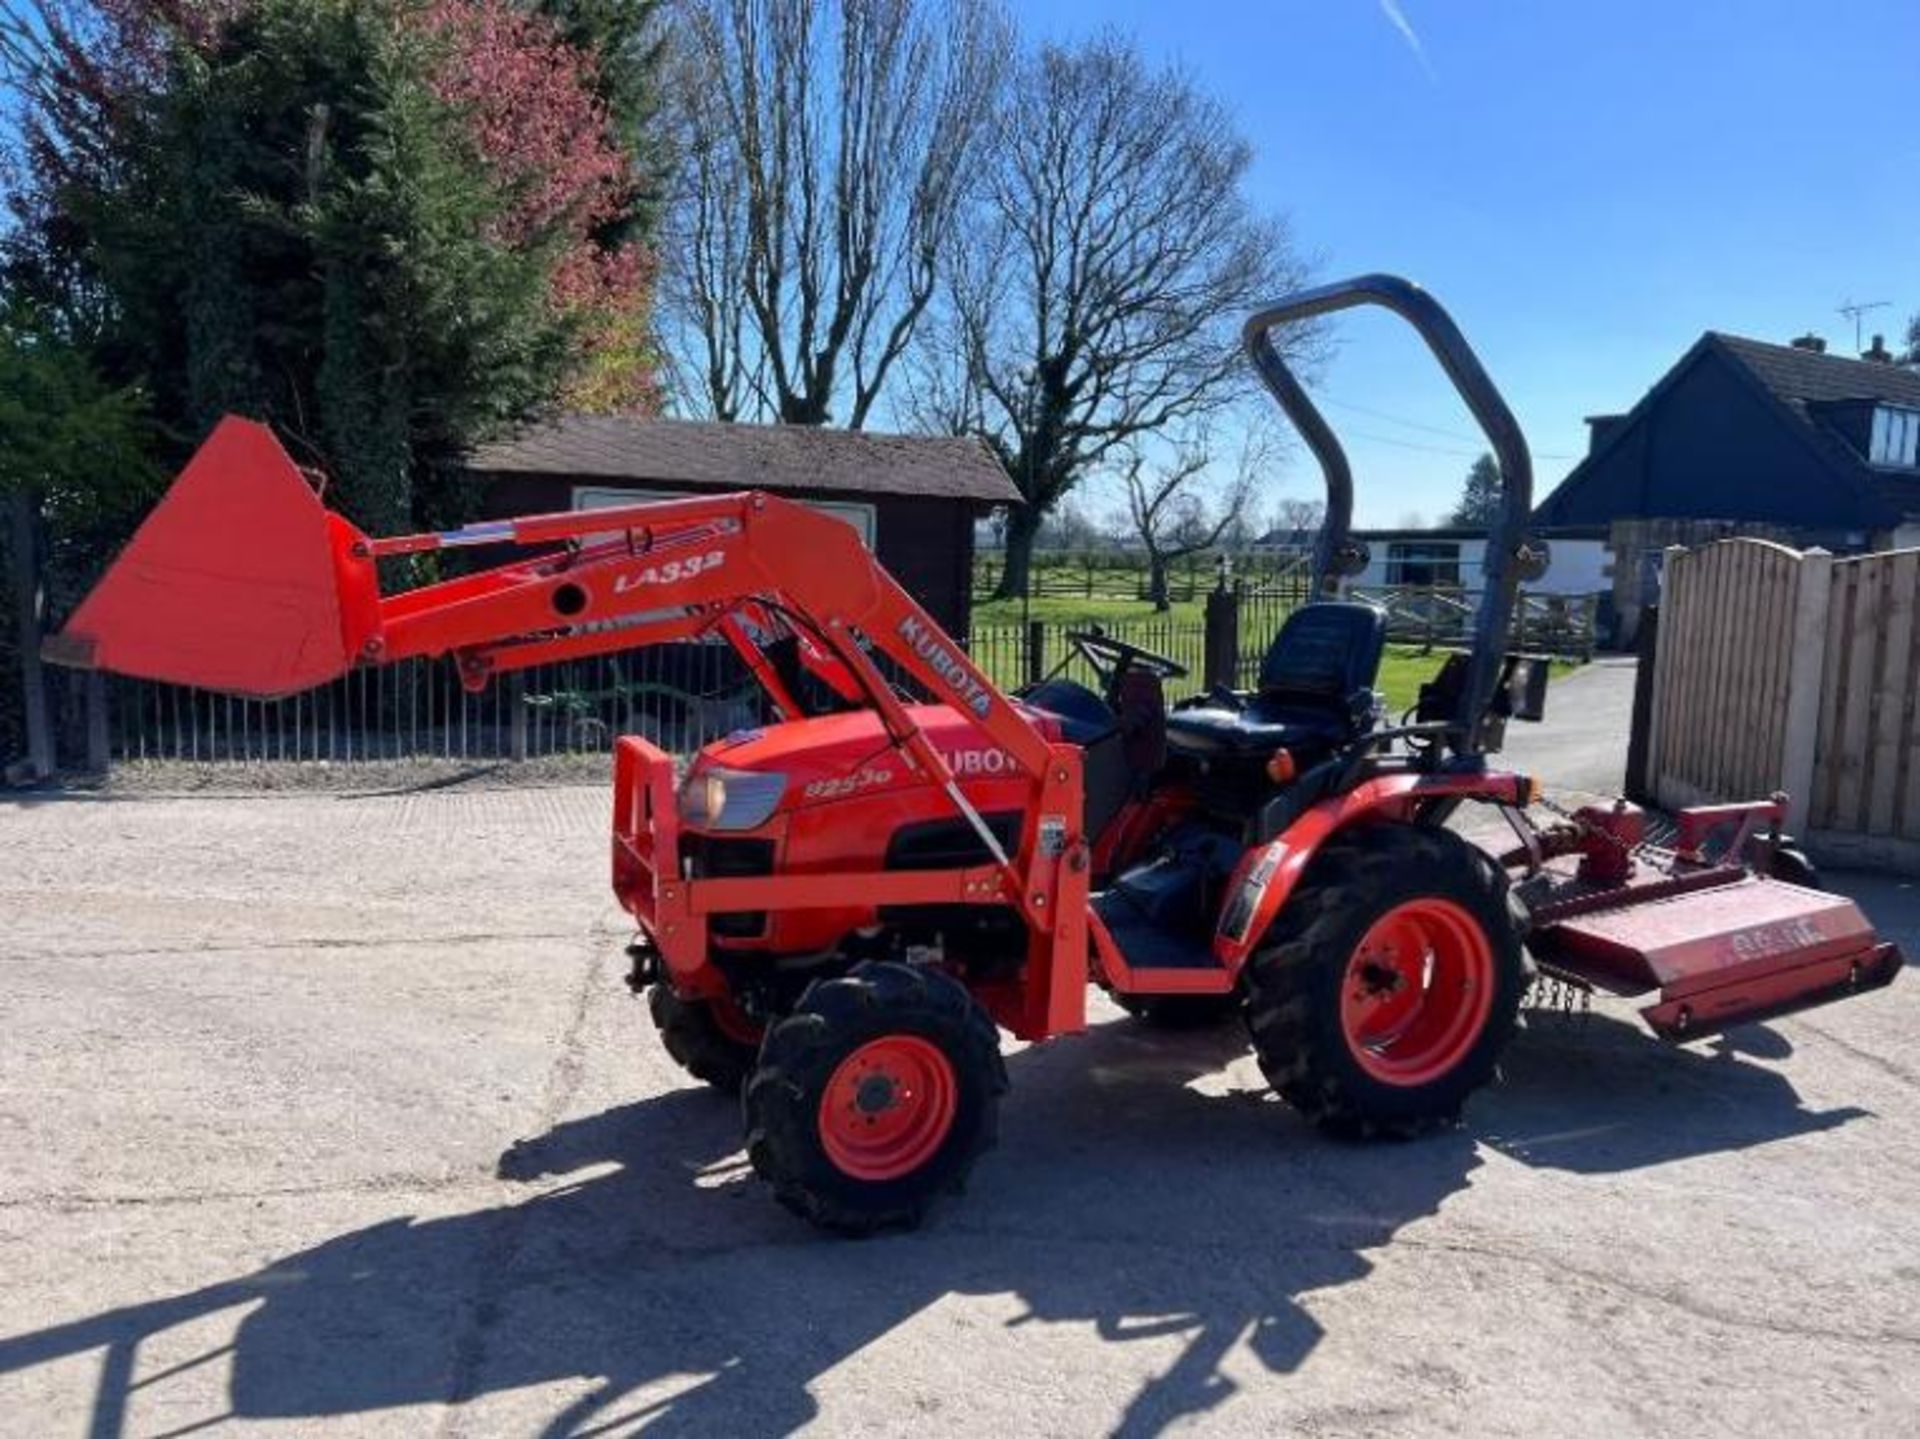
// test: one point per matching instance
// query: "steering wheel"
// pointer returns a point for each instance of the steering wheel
(1109, 657)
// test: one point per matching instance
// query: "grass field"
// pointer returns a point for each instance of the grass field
(1402, 671)
(1072, 610)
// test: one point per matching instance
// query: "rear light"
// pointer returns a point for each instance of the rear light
(1280, 767)
(730, 799)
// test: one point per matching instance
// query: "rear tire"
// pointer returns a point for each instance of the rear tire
(874, 1097)
(717, 1046)
(1390, 982)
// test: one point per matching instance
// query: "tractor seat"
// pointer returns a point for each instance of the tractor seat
(1315, 690)
(1084, 717)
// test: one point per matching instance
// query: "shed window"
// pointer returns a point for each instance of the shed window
(595, 497)
(1896, 436)
(1423, 562)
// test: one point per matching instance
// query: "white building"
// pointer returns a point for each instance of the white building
(1455, 558)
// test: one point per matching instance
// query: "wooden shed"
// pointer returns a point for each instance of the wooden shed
(914, 499)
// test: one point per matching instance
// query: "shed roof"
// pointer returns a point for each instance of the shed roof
(706, 455)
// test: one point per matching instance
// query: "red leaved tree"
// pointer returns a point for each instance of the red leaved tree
(79, 68)
(529, 100)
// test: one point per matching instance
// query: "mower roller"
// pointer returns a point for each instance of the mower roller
(838, 910)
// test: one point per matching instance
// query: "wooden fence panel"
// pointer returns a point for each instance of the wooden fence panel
(1777, 670)
(1892, 723)
(1867, 769)
(1721, 684)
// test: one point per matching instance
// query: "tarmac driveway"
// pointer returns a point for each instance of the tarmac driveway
(329, 1114)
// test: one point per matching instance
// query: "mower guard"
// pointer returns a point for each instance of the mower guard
(1734, 950)
(239, 581)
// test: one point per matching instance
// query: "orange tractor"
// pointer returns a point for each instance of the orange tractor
(838, 911)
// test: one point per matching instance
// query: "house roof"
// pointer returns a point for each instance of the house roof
(1804, 380)
(1797, 383)
(1803, 377)
(751, 457)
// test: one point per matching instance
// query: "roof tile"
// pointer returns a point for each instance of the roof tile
(1802, 377)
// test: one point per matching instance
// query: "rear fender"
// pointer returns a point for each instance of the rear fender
(1267, 873)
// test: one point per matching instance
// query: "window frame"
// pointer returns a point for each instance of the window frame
(1438, 557)
(1895, 440)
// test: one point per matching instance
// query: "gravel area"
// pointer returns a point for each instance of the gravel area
(327, 1113)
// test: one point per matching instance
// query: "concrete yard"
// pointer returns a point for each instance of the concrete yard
(328, 1113)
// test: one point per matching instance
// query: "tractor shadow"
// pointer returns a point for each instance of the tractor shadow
(1122, 1198)
(1596, 1094)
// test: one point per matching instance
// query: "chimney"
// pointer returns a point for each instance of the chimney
(1879, 354)
(1810, 341)
(1600, 428)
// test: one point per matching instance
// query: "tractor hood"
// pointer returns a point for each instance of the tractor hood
(801, 763)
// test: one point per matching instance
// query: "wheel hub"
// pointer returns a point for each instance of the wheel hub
(1379, 978)
(876, 1094)
(888, 1107)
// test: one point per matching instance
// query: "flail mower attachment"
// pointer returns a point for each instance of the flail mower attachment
(1719, 940)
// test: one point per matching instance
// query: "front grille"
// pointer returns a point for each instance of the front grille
(709, 856)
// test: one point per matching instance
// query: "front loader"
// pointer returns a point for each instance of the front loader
(837, 911)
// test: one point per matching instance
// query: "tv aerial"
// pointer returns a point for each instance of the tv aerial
(1853, 310)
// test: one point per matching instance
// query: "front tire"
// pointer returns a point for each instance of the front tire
(710, 1039)
(874, 1097)
(1389, 983)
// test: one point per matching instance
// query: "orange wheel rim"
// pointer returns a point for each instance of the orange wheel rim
(888, 1107)
(1417, 992)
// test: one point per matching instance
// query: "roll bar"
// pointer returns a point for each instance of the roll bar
(1509, 557)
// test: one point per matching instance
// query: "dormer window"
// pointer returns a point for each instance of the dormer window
(1896, 437)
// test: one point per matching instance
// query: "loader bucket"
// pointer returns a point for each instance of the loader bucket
(1733, 953)
(239, 581)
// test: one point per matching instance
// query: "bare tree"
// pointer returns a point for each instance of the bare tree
(1099, 280)
(1297, 521)
(1073, 529)
(1170, 512)
(825, 146)
(714, 364)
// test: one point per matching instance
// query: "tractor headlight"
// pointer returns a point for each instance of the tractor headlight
(730, 799)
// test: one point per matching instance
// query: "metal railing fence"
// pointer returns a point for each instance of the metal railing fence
(1559, 625)
(679, 696)
(683, 695)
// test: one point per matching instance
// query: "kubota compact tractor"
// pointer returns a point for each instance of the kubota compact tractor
(839, 910)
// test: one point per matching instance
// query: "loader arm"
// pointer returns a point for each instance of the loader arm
(215, 593)
(241, 581)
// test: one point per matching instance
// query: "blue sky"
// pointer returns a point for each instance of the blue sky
(1586, 186)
